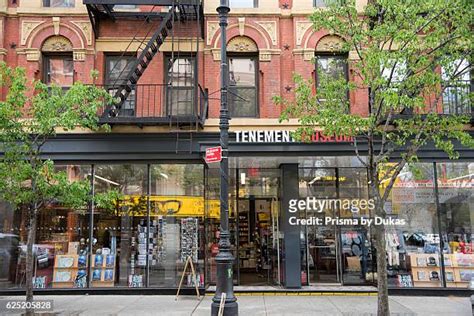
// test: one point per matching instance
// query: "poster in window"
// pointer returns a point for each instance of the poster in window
(449, 276)
(421, 262)
(421, 275)
(404, 280)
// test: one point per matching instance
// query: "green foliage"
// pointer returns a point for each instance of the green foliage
(28, 118)
(108, 201)
(396, 51)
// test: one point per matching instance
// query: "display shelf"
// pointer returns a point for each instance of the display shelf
(425, 270)
(459, 270)
(103, 270)
(65, 271)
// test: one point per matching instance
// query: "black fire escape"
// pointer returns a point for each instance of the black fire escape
(178, 100)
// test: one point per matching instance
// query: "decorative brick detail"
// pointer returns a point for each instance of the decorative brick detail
(330, 43)
(301, 28)
(32, 54)
(241, 44)
(26, 28)
(86, 29)
(241, 26)
(57, 44)
(212, 28)
(79, 54)
(56, 24)
(271, 28)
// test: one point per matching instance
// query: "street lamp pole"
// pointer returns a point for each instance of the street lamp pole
(224, 259)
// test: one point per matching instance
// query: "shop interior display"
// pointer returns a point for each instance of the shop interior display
(71, 269)
(255, 233)
(170, 243)
(190, 249)
(138, 253)
(65, 271)
(357, 253)
(189, 239)
(247, 252)
(212, 228)
(414, 261)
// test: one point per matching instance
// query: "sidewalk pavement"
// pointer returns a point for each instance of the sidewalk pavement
(74, 305)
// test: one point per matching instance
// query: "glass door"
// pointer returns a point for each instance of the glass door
(322, 254)
(212, 221)
(322, 243)
(258, 245)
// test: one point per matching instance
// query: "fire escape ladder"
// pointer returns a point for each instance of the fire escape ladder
(141, 63)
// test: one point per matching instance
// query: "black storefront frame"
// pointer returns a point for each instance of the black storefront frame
(120, 150)
(148, 194)
(166, 290)
(338, 232)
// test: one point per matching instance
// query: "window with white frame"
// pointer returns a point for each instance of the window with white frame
(243, 4)
(59, 3)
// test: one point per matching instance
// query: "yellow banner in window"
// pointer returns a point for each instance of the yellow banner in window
(178, 206)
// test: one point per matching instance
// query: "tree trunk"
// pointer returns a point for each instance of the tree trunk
(382, 287)
(383, 308)
(30, 260)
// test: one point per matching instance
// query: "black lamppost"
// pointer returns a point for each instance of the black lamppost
(224, 259)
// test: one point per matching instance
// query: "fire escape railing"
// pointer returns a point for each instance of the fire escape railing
(160, 102)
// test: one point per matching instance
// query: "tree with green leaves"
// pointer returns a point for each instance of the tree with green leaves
(412, 58)
(31, 113)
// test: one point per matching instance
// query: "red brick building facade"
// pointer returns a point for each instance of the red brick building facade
(276, 33)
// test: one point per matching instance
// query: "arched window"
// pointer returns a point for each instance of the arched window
(58, 66)
(331, 63)
(243, 80)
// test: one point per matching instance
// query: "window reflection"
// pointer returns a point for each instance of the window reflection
(59, 70)
(413, 250)
(177, 224)
(120, 233)
(242, 87)
(455, 183)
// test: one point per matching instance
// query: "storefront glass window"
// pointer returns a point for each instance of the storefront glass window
(455, 187)
(413, 249)
(353, 183)
(318, 182)
(60, 250)
(258, 182)
(9, 246)
(119, 244)
(176, 224)
(356, 247)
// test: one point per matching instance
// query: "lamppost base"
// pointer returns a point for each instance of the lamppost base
(230, 309)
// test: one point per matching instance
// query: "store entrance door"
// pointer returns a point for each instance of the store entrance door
(258, 243)
(323, 254)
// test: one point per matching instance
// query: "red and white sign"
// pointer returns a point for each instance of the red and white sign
(213, 154)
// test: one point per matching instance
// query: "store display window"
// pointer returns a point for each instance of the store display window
(413, 250)
(119, 256)
(61, 247)
(9, 246)
(168, 214)
(455, 183)
(176, 225)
